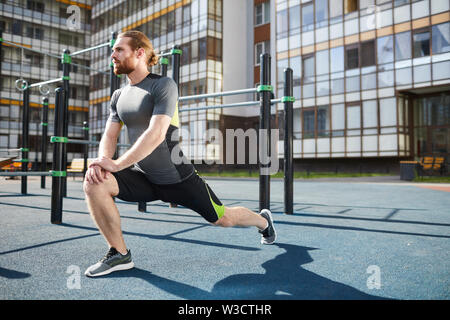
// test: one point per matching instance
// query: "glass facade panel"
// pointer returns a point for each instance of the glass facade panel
(441, 38)
(368, 81)
(294, 20)
(385, 49)
(321, 12)
(353, 117)
(282, 24)
(421, 44)
(323, 121)
(337, 59)
(403, 45)
(337, 86)
(322, 67)
(370, 114)
(388, 112)
(308, 123)
(308, 69)
(308, 17)
(336, 10)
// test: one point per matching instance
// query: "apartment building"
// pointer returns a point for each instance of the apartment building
(42, 25)
(371, 78)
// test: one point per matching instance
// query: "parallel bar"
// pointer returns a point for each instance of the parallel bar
(164, 54)
(94, 143)
(223, 106)
(44, 82)
(229, 105)
(90, 49)
(25, 174)
(218, 94)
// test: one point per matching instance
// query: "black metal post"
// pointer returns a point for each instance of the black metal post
(44, 125)
(1, 44)
(164, 62)
(86, 147)
(176, 60)
(112, 76)
(25, 133)
(265, 91)
(66, 62)
(288, 101)
(58, 158)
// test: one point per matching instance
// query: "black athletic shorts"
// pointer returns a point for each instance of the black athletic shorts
(193, 193)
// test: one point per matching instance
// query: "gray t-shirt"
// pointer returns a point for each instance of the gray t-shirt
(134, 106)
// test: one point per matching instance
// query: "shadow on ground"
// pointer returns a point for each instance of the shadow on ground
(284, 279)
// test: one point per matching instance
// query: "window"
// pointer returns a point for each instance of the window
(337, 59)
(441, 38)
(335, 10)
(403, 45)
(322, 67)
(17, 27)
(262, 13)
(308, 69)
(294, 20)
(308, 17)
(35, 5)
(323, 121)
(368, 53)
(350, 6)
(321, 12)
(36, 33)
(421, 43)
(282, 24)
(351, 57)
(353, 119)
(338, 119)
(385, 52)
(308, 123)
(260, 48)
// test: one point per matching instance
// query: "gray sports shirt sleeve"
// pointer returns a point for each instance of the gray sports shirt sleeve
(165, 97)
(113, 116)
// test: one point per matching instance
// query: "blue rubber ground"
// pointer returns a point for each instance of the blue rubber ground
(346, 240)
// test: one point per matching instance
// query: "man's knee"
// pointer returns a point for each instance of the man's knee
(226, 220)
(100, 188)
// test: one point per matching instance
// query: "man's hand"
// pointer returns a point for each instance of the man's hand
(96, 174)
(106, 164)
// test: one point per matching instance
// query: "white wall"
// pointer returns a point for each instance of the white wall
(237, 52)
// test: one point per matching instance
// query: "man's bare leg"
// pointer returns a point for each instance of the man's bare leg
(104, 212)
(242, 217)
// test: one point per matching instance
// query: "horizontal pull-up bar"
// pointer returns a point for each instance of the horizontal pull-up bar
(44, 82)
(90, 49)
(26, 174)
(229, 105)
(218, 94)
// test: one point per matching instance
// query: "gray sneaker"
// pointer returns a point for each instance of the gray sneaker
(268, 235)
(112, 261)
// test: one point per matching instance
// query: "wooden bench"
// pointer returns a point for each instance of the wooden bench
(430, 165)
(14, 166)
(77, 165)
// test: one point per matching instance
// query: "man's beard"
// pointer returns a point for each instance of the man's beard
(123, 68)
